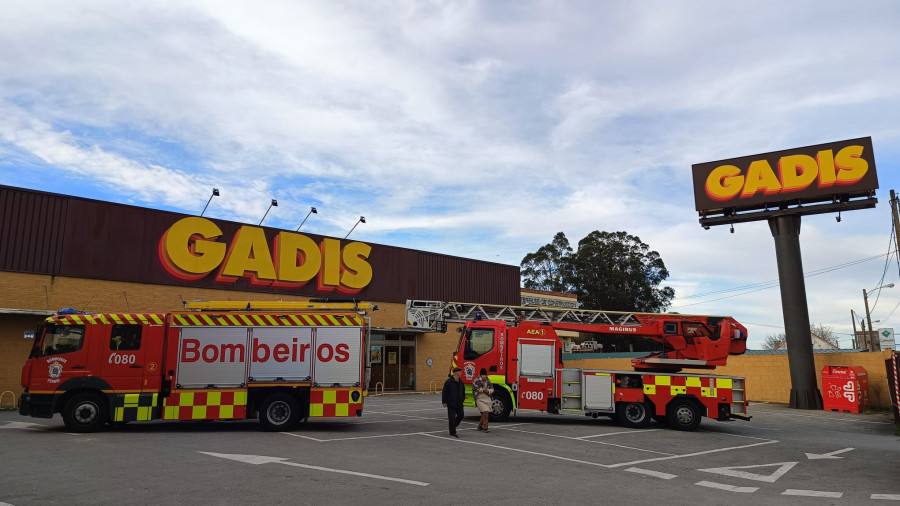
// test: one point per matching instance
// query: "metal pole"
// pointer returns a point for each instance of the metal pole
(805, 392)
(896, 219)
(853, 319)
(869, 319)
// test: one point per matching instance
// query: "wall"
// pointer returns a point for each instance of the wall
(768, 375)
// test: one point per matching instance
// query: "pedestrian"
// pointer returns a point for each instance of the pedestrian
(452, 398)
(483, 391)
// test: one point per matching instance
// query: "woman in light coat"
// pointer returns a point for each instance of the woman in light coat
(483, 391)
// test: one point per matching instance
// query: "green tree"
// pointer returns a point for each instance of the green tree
(613, 271)
(617, 272)
(548, 267)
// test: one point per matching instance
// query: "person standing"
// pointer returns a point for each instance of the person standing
(452, 397)
(483, 391)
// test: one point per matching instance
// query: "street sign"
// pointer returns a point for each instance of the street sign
(886, 338)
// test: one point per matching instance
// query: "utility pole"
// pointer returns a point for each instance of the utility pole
(853, 319)
(896, 218)
(868, 318)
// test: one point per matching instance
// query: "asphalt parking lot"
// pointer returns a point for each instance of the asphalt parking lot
(399, 451)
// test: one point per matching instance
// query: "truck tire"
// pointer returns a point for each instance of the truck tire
(682, 414)
(501, 406)
(635, 415)
(279, 412)
(85, 412)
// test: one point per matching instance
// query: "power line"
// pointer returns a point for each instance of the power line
(745, 289)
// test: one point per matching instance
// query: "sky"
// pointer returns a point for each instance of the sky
(470, 128)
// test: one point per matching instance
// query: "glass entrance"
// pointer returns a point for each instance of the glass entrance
(393, 361)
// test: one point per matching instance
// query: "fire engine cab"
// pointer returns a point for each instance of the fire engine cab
(522, 353)
(281, 361)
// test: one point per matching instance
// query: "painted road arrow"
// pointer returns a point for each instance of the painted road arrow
(832, 455)
(261, 459)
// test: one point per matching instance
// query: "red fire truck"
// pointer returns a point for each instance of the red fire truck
(522, 353)
(286, 361)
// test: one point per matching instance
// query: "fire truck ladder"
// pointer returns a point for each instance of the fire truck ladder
(430, 315)
(246, 305)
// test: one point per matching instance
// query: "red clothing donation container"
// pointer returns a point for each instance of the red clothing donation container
(845, 388)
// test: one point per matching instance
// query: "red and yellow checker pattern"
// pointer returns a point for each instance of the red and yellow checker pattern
(230, 319)
(334, 402)
(110, 319)
(698, 386)
(206, 405)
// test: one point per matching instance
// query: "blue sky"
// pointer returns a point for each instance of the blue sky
(477, 129)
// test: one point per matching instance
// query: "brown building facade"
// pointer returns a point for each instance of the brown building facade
(58, 251)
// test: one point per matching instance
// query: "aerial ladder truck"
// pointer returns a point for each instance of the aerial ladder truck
(520, 349)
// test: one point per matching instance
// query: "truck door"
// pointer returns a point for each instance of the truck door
(60, 356)
(536, 373)
(484, 347)
(131, 357)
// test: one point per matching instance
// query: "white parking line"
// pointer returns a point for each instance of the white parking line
(655, 474)
(717, 450)
(643, 431)
(729, 488)
(548, 455)
(812, 493)
(592, 442)
(886, 497)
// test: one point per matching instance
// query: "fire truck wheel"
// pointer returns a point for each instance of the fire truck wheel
(85, 412)
(634, 415)
(279, 412)
(501, 406)
(683, 414)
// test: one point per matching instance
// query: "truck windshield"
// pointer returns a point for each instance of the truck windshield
(60, 339)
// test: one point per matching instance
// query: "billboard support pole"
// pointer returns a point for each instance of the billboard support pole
(805, 393)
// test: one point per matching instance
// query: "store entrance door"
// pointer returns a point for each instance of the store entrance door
(393, 361)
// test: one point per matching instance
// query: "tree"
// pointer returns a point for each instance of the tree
(617, 272)
(610, 270)
(548, 267)
(825, 332)
(773, 341)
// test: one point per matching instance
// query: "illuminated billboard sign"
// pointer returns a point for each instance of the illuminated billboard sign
(834, 173)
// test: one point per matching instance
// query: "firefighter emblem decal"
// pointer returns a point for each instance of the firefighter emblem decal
(469, 370)
(56, 369)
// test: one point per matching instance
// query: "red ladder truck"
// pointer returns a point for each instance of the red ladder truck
(286, 361)
(519, 347)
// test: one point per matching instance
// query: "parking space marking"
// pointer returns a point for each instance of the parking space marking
(695, 454)
(886, 497)
(819, 417)
(592, 442)
(812, 493)
(729, 488)
(617, 433)
(518, 450)
(655, 474)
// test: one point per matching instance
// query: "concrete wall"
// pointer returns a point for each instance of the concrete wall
(769, 378)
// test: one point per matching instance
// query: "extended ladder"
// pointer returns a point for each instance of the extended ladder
(429, 314)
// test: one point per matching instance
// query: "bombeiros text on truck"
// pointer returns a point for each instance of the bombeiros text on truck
(522, 353)
(282, 362)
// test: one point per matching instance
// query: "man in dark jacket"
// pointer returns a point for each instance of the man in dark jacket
(452, 398)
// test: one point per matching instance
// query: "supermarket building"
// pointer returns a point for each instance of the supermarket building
(59, 251)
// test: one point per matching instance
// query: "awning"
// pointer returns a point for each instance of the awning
(27, 312)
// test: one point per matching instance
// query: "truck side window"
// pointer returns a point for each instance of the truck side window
(125, 338)
(480, 341)
(60, 339)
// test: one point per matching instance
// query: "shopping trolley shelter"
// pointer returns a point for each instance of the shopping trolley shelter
(400, 451)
